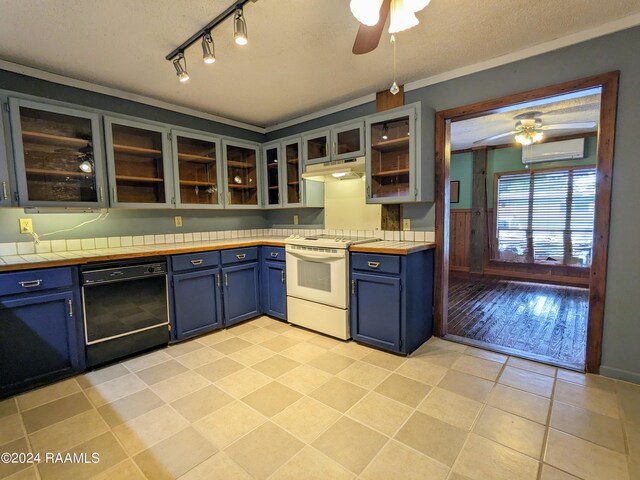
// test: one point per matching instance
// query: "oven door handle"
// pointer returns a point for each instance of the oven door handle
(318, 256)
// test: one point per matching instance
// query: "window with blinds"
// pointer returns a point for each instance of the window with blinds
(546, 216)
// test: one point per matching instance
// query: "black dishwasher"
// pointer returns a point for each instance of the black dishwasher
(125, 309)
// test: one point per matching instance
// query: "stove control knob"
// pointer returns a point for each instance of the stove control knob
(297, 236)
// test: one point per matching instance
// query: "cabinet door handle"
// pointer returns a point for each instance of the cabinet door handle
(282, 273)
(70, 308)
(196, 262)
(326, 149)
(101, 191)
(241, 256)
(334, 148)
(353, 287)
(226, 279)
(114, 195)
(5, 193)
(30, 283)
(274, 254)
(218, 277)
(373, 264)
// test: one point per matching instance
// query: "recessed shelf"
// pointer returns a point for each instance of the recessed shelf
(129, 178)
(293, 161)
(151, 152)
(272, 165)
(293, 182)
(393, 144)
(238, 164)
(391, 173)
(237, 186)
(190, 157)
(47, 138)
(59, 173)
(273, 187)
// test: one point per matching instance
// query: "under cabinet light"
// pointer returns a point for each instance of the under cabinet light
(208, 49)
(240, 28)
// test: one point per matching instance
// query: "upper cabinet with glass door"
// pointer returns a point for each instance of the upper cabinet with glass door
(5, 186)
(197, 170)
(347, 141)
(400, 165)
(292, 182)
(241, 174)
(272, 163)
(139, 160)
(317, 147)
(58, 155)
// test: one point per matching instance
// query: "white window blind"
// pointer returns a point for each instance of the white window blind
(546, 216)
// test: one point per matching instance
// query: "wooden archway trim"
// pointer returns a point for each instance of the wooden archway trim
(606, 136)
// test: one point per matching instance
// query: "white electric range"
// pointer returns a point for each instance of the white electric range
(318, 282)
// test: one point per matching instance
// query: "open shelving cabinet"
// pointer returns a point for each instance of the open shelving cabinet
(58, 155)
(197, 170)
(139, 162)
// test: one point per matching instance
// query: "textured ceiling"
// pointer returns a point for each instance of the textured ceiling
(572, 108)
(299, 56)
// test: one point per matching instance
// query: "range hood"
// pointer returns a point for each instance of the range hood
(335, 170)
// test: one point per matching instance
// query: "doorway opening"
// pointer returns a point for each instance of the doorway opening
(523, 198)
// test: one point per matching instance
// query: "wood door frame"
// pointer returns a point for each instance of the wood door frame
(608, 82)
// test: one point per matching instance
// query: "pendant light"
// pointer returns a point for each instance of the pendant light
(208, 49)
(366, 12)
(240, 28)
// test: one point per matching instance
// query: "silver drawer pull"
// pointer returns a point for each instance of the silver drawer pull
(196, 262)
(274, 254)
(5, 194)
(373, 264)
(241, 256)
(30, 283)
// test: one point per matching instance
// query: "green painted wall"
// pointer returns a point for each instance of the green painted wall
(462, 171)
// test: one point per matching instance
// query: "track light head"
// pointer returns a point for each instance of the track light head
(240, 28)
(208, 49)
(181, 71)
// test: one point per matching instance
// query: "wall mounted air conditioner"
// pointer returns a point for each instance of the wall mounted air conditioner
(553, 151)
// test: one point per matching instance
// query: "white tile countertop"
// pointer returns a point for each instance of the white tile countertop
(52, 253)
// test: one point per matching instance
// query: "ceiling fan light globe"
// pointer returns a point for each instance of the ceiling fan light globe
(417, 5)
(366, 12)
(402, 17)
(537, 136)
(523, 139)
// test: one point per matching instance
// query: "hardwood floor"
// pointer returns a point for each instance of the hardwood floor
(539, 321)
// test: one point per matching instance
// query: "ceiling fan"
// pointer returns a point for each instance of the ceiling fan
(529, 130)
(373, 14)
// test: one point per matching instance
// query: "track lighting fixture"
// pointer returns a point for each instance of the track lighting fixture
(385, 132)
(208, 49)
(181, 71)
(240, 28)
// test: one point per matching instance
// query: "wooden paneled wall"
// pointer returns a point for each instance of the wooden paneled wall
(459, 239)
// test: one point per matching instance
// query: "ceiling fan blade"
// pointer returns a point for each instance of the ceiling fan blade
(496, 137)
(368, 38)
(569, 126)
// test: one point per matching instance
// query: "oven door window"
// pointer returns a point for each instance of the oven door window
(314, 275)
(119, 308)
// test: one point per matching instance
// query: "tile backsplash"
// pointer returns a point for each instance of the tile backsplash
(56, 246)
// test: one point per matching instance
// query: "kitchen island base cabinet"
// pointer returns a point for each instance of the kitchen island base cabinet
(197, 303)
(41, 332)
(392, 300)
(241, 293)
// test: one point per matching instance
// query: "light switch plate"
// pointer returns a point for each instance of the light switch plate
(406, 224)
(26, 225)
(178, 221)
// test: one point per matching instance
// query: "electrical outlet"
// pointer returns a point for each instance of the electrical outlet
(295, 219)
(178, 221)
(406, 224)
(26, 225)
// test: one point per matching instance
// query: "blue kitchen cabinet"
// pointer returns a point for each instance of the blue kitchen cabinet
(197, 302)
(241, 284)
(392, 300)
(274, 282)
(41, 322)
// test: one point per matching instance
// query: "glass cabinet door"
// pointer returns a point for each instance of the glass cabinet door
(390, 154)
(293, 173)
(58, 155)
(347, 141)
(197, 170)
(137, 156)
(316, 147)
(5, 188)
(241, 164)
(272, 166)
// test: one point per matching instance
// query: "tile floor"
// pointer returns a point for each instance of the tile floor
(268, 400)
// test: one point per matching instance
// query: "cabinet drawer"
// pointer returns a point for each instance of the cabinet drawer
(35, 280)
(191, 261)
(273, 254)
(238, 255)
(375, 263)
